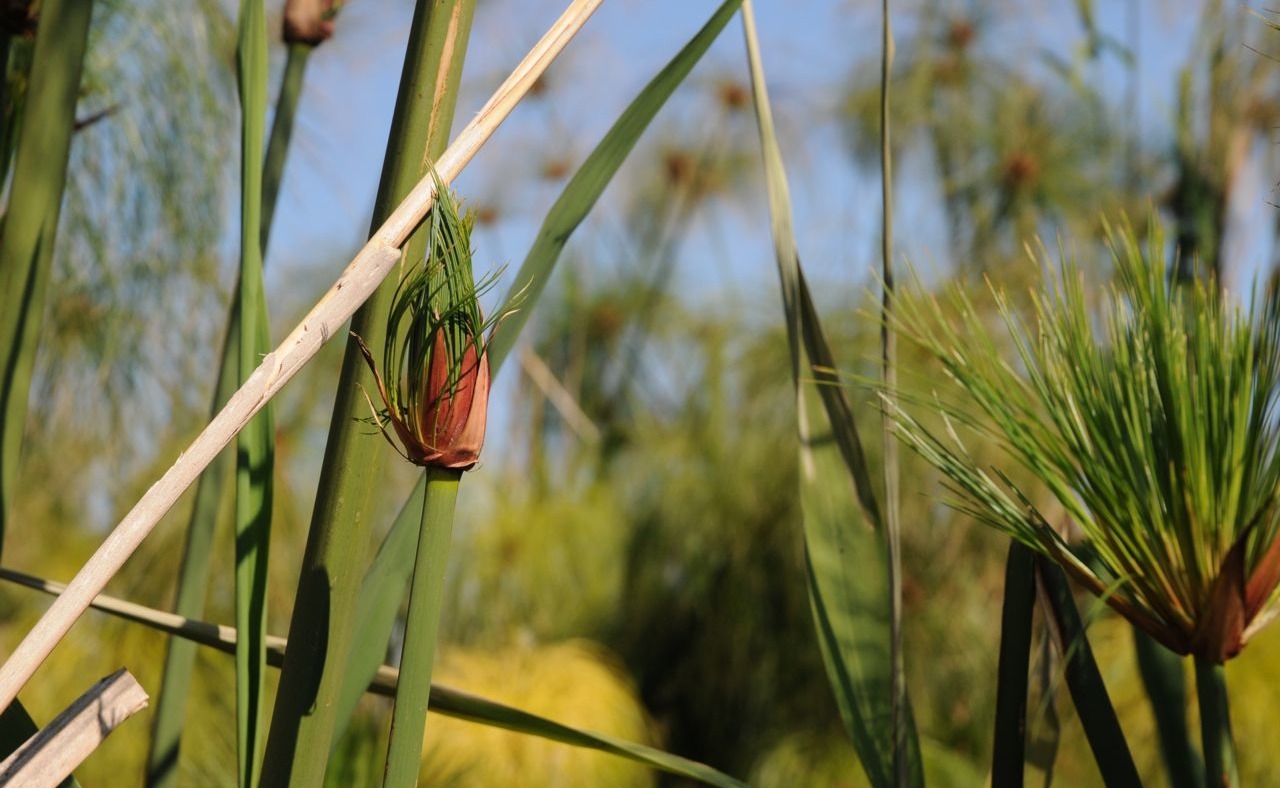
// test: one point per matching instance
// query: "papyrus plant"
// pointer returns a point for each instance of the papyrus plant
(1150, 417)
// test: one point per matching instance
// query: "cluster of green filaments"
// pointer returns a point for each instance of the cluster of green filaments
(437, 294)
(1150, 418)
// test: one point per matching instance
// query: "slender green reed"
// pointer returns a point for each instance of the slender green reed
(1008, 755)
(409, 719)
(1084, 681)
(211, 489)
(889, 373)
(1220, 766)
(31, 221)
(255, 443)
(1164, 680)
(27, 242)
(843, 522)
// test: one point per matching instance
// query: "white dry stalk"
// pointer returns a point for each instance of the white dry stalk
(45, 760)
(360, 279)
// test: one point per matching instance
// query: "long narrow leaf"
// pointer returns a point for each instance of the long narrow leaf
(254, 446)
(844, 544)
(1084, 681)
(388, 574)
(31, 220)
(446, 701)
(193, 576)
(889, 367)
(27, 244)
(1008, 755)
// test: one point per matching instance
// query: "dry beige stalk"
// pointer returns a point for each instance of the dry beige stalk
(45, 760)
(326, 318)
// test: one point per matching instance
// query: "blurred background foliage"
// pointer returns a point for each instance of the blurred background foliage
(629, 555)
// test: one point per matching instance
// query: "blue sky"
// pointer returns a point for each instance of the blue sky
(812, 51)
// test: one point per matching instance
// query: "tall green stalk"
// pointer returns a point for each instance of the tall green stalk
(1220, 766)
(27, 242)
(1084, 681)
(334, 561)
(1165, 683)
(193, 579)
(1009, 749)
(889, 356)
(409, 718)
(254, 447)
(35, 201)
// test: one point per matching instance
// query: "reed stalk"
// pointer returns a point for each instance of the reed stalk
(889, 373)
(27, 243)
(384, 583)
(413, 694)
(211, 489)
(255, 443)
(1008, 756)
(31, 220)
(1220, 767)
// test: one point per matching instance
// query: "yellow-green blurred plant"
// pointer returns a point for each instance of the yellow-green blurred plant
(576, 681)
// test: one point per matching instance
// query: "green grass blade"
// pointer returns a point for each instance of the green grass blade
(589, 182)
(1166, 687)
(35, 201)
(27, 245)
(254, 445)
(295, 68)
(193, 578)
(844, 544)
(1010, 746)
(1084, 681)
(1215, 725)
(193, 582)
(384, 583)
(889, 367)
(426, 592)
(324, 613)
(445, 701)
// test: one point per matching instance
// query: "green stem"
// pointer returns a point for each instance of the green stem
(26, 252)
(35, 200)
(409, 718)
(334, 560)
(295, 68)
(1084, 681)
(1165, 683)
(1215, 726)
(211, 489)
(1010, 747)
(889, 353)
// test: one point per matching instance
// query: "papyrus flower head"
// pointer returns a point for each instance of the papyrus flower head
(434, 377)
(1149, 413)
